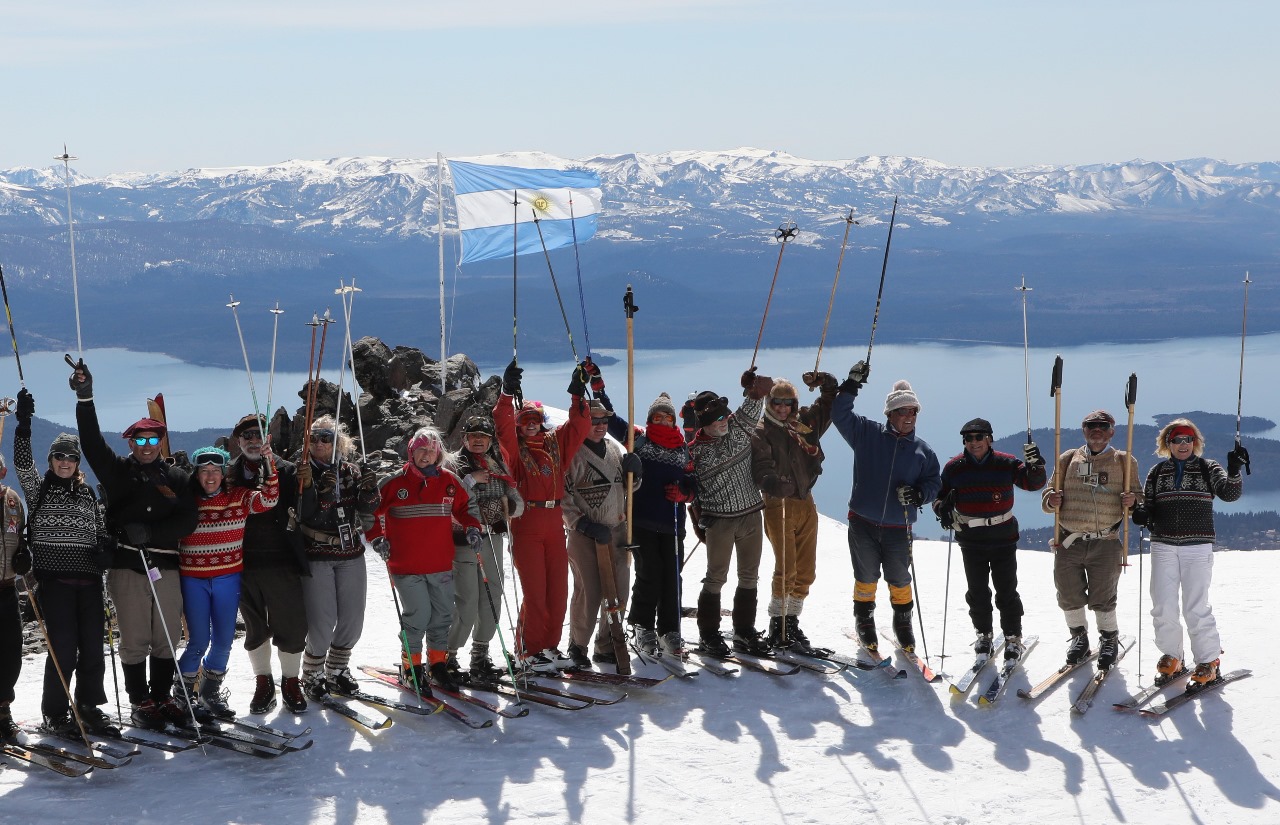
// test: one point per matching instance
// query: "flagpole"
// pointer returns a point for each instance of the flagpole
(440, 230)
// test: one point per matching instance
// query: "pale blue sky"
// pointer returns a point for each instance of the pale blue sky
(155, 86)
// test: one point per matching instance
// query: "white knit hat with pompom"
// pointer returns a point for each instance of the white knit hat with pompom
(900, 396)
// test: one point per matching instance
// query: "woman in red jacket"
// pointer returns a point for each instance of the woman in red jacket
(413, 533)
(538, 457)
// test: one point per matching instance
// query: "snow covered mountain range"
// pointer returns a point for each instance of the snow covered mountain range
(1159, 239)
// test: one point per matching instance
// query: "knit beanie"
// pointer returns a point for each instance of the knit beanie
(64, 443)
(782, 388)
(710, 407)
(900, 396)
(661, 404)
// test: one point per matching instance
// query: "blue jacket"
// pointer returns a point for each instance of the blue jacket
(882, 461)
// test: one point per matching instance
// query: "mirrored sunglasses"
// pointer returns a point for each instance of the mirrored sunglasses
(64, 456)
(146, 440)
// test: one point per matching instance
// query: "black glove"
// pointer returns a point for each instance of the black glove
(909, 496)
(1237, 458)
(22, 561)
(83, 388)
(368, 481)
(603, 398)
(26, 407)
(688, 417)
(945, 509)
(304, 474)
(593, 370)
(631, 463)
(594, 530)
(578, 383)
(382, 547)
(1141, 515)
(858, 375)
(748, 378)
(511, 379)
(105, 554)
(1031, 455)
(137, 533)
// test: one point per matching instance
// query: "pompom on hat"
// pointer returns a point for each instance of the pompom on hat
(661, 404)
(901, 396)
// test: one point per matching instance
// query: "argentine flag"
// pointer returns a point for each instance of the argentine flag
(483, 195)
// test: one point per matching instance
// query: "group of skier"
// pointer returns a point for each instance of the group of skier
(283, 544)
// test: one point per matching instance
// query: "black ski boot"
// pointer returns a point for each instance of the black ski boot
(95, 721)
(264, 695)
(417, 678)
(902, 626)
(777, 632)
(442, 677)
(864, 624)
(1078, 648)
(714, 645)
(213, 698)
(8, 728)
(581, 659)
(1108, 648)
(799, 641)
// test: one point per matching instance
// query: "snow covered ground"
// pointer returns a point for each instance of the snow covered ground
(854, 747)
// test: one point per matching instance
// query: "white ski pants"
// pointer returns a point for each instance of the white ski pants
(1184, 571)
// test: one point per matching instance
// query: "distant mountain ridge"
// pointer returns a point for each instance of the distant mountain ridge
(1116, 251)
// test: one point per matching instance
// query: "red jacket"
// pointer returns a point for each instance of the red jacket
(416, 515)
(539, 467)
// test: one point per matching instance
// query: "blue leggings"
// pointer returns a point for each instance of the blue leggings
(210, 607)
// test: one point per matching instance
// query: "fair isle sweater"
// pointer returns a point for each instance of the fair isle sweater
(216, 548)
(1091, 486)
(1180, 510)
(66, 522)
(722, 466)
(596, 485)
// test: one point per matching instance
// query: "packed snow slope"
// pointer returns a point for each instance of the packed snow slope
(855, 747)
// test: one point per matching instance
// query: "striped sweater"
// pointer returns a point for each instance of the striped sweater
(216, 548)
(984, 489)
(1180, 510)
(416, 515)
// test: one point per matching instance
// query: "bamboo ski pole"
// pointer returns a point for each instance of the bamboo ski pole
(1026, 358)
(33, 600)
(884, 267)
(784, 234)
(1130, 398)
(629, 304)
(849, 223)
(13, 336)
(1055, 390)
(1244, 328)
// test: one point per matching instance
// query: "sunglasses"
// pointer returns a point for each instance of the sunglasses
(973, 437)
(1097, 425)
(599, 422)
(210, 460)
(782, 402)
(251, 435)
(906, 411)
(65, 456)
(322, 437)
(1183, 439)
(146, 440)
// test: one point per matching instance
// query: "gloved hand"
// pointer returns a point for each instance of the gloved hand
(304, 474)
(1236, 459)
(760, 387)
(368, 481)
(473, 536)
(675, 492)
(22, 560)
(1141, 515)
(909, 496)
(780, 487)
(578, 383)
(594, 530)
(593, 372)
(748, 378)
(511, 378)
(81, 381)
(1031, 455)
(105, 554)
(26, 407)
(858, 375)
(137, 533)
(688, 417)
(946, 516)
(382, 547)
(631, 463)
(820, 380)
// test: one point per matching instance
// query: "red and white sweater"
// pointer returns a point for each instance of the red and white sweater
(216, 548)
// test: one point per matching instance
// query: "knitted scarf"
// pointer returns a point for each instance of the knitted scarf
(795, 428)
(533, 450)
(667, 436)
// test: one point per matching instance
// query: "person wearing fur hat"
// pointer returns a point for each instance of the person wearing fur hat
(477, 583)
(657, 530)
(595, 515)
(210, 561)
(894, 474)
(413, 533)
(1088, 491)
(1178, 510)
(786, 460)
(727, 512)
(151, 508)
(275, 562)
(976, 501)
(69, 549)
(540, 457)
(336, 497)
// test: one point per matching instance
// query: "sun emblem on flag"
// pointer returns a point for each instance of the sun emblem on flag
(541, 203)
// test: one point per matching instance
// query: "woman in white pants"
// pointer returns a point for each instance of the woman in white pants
(1178, 510)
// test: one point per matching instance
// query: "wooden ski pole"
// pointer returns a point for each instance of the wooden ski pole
(784, 234)
(1055, 390)
(1130, 398)
(849, 223)
(629, 304)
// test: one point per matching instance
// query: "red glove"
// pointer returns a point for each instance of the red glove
(592, 369)
(675, 494)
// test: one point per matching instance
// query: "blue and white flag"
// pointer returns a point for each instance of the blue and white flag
(486, 213)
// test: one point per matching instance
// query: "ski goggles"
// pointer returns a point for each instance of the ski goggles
(145, 440)
(64, 456)
(210, 460)
(662, 418)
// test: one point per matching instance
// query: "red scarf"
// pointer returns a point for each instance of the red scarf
(667, 436)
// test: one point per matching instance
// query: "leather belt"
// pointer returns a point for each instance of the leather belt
(543, 505)
(320, 537)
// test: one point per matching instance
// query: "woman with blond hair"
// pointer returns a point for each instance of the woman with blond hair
(1178, 510)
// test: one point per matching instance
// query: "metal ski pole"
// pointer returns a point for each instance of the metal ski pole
(629, 304)
(948, 503)
(404, 640)
(849, 223)
(13, 336)
(1055, 391)
(784, 234)
(1141, 530)
(493, 608)
(515, 303)
(71, 233)
(262, 422)
(111, 644)
(538, 225)
(582, 300)
(308, 408)
(1026, 358)
(53, 657)
(348, 304)
(911, 557)
(884, 267)
(1130, 398)
(271, 378)
(1244, 328)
